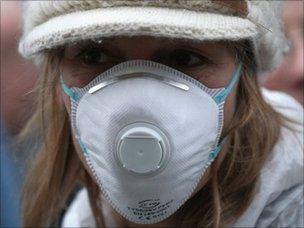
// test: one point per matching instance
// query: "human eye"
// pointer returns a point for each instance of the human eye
(94, 57)
(186, 59)
(81, 63)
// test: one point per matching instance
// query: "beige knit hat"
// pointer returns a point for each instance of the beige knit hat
(49, 24)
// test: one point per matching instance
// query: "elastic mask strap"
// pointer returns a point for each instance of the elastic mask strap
(219, 98)
(213, 154)
(72, 94)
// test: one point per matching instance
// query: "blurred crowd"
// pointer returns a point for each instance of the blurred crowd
(18, 78)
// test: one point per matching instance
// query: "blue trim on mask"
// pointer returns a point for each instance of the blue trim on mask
(219, 98)
(215, 152)
(72, 94)
(82, 146)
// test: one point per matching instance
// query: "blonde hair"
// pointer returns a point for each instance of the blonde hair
(56, 169)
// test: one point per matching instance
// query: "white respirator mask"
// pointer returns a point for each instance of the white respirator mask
(148, 133)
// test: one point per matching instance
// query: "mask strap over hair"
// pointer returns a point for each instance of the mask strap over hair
(68, 90)
(221, 97)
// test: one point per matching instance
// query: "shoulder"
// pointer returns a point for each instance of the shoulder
(287, 155)
(280, 190)
(79, 214)
(286, 158)
(284, 104)
(287, 210)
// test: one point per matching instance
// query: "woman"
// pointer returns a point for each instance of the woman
(153, 109)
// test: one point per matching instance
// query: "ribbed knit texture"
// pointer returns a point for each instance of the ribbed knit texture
(49, 24)
(50, 9)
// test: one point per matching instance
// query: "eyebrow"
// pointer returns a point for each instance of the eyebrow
(164, 41)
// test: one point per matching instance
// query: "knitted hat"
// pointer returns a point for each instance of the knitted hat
(49, 24)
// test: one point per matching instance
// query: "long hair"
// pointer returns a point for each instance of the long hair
(251, 136)
(56, 169)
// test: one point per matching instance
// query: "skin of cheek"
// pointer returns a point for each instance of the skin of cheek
(229, 109)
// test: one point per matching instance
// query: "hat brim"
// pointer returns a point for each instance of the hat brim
(129, 21)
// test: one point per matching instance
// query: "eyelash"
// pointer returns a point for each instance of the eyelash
(201, 60)
(166, 59)
(81, 56)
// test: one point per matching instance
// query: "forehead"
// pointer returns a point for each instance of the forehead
(148, 39)
(134, 47)
(147, 42)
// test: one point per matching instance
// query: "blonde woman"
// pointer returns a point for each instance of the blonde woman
(153, 110)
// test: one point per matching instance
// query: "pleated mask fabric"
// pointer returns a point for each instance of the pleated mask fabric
(148, 133)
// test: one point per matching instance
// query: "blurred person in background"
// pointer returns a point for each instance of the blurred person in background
(18, 75)
(289, 77)
(154, 108)
(17, 79)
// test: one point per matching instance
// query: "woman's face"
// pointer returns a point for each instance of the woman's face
(210, 63)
